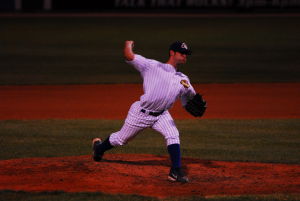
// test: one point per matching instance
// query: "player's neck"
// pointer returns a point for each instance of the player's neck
(172, 63)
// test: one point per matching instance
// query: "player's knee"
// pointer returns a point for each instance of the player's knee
(172, 140)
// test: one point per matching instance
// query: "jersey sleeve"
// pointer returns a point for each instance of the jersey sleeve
(140, 63)
(187, 94)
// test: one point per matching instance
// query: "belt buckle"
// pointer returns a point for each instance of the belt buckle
(155, 114)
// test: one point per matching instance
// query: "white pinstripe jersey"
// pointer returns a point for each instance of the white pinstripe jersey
(161, 83)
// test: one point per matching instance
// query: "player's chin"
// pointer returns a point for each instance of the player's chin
(183, 61)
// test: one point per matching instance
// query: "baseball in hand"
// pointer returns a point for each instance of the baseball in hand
(130, 43)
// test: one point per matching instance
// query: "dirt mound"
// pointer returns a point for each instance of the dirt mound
(147, 175)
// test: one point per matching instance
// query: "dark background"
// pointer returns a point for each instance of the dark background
(154, 6)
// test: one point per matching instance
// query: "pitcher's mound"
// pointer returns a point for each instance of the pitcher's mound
(147, 175)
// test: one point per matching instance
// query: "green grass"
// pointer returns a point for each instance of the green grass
(89, 50)
(61, 196)
(275, 141)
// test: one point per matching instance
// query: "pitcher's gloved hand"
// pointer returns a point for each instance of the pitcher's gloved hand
(196, 106)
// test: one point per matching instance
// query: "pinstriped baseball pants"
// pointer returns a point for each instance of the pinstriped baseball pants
(137, 121)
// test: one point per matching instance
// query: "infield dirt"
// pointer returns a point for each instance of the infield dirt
(147, 175)
(112, 101)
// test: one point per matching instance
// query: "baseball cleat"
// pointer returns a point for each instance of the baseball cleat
(176, 175)
(96, 155)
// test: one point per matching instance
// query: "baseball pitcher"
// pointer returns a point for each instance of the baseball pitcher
(162, 85)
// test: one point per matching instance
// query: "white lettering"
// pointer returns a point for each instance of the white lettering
(130, 3)
(284, 3)
(245, 3)
(202, 3)
(117, 2)
(141, 3)
(165, 3)
(152, 3)
(214, 2)
(275, 3)
(121, 3)
(260, 3)
(160, 3)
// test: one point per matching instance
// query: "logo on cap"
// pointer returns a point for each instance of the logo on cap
(180, 47)
(184, 46)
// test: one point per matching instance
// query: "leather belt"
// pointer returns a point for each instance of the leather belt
(152, 113)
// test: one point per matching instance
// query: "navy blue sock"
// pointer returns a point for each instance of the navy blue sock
(105, 146)
(175, 156)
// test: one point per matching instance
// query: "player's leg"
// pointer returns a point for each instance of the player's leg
(119, 138)
(166, 126)
(134, 123)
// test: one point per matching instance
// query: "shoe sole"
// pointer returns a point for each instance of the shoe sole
(172, 179)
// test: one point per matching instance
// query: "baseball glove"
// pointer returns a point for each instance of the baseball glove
(196, 106)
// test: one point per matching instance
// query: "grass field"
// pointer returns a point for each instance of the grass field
(89, 50)
(274, 141)
(60, 196)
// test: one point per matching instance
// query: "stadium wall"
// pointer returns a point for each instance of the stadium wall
(148, 5)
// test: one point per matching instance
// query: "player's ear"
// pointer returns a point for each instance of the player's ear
(171, 53)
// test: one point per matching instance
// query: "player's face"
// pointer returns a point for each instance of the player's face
(180, 58)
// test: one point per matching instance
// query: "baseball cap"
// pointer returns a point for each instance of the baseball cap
(181, 47)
